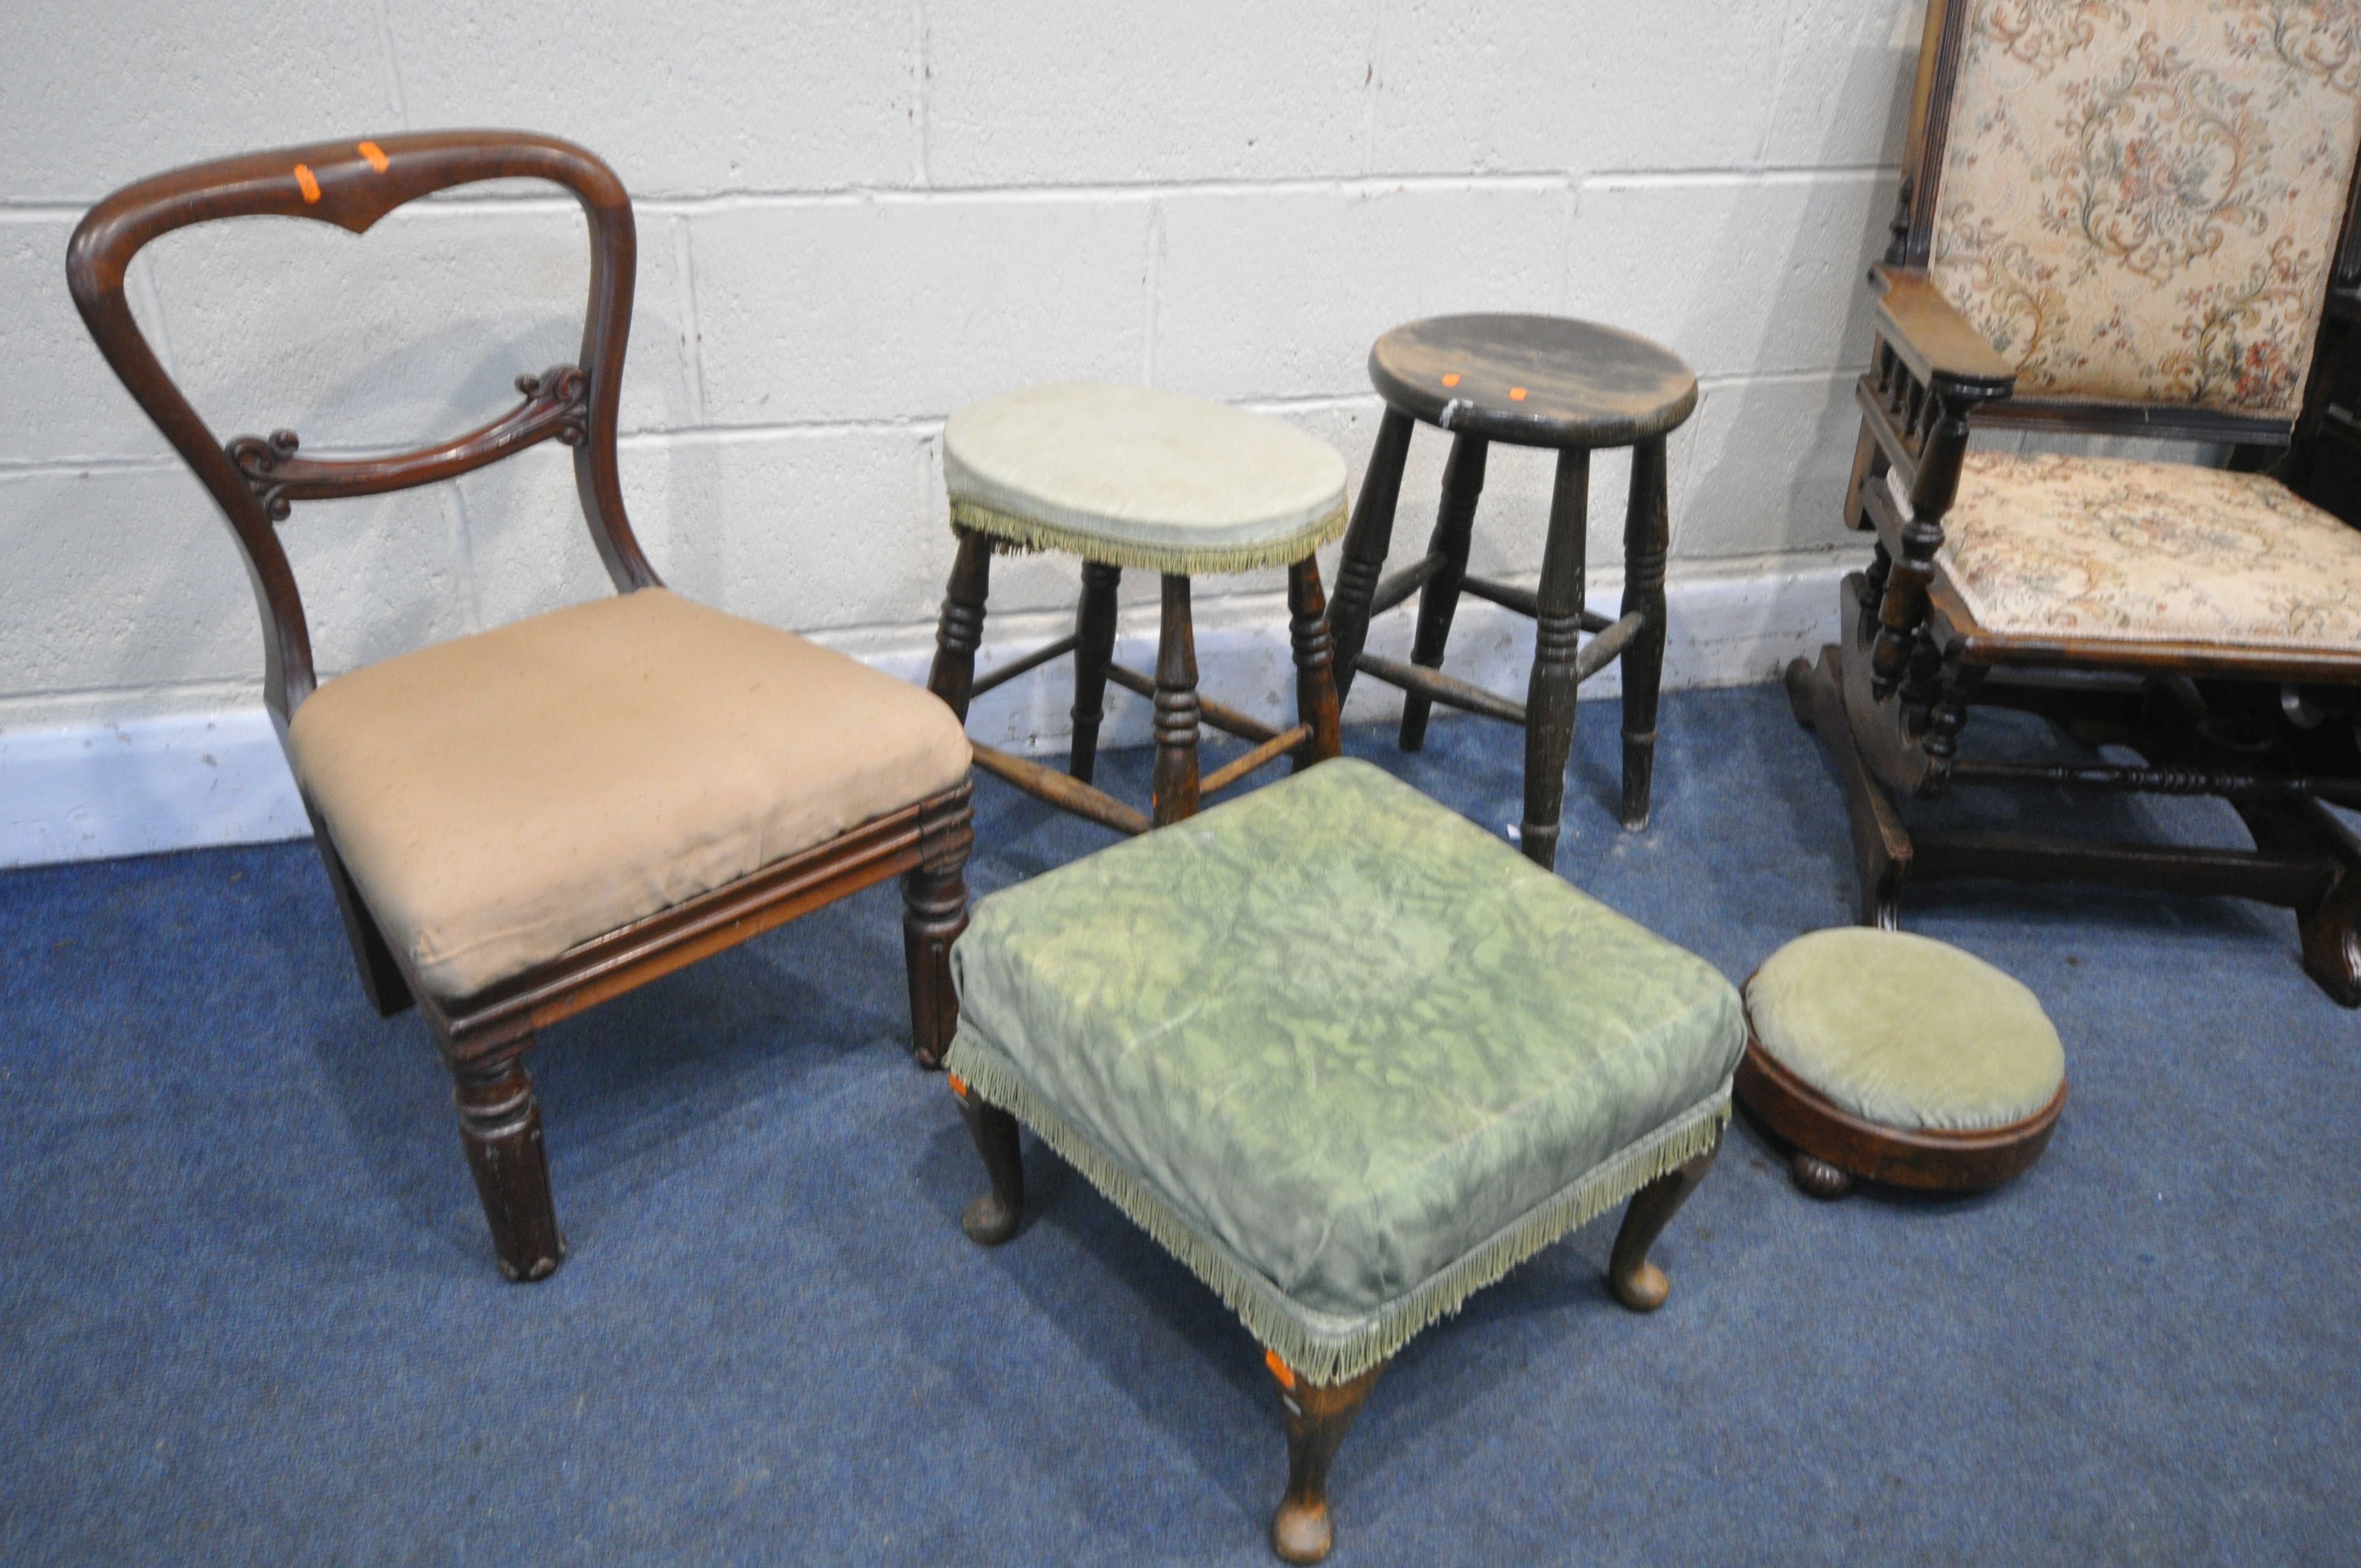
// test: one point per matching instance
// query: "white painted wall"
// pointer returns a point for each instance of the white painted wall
(854, 218)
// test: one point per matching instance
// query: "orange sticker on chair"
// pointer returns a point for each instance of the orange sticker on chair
(1452, 380)
(306, 182)
(1278, 1369)
(374, 154)
(1516, 394)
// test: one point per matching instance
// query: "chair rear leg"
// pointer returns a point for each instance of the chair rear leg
(1454, 526)
(500, 1124)
(382, 980)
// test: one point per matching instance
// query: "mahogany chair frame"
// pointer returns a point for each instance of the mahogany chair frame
(484, 1037)
(1891, 697)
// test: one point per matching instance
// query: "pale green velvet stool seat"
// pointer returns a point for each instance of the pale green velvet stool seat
(1349, 1057)
(1135, 478)
(1894, 1057)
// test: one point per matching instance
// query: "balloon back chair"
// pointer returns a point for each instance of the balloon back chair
(2116, 219)
(522, 823)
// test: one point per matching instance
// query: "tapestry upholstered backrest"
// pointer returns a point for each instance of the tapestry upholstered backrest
(2140, 201)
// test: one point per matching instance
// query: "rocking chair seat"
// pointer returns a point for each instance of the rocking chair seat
(1346, 1055)
(501, 798)
(2073, 547)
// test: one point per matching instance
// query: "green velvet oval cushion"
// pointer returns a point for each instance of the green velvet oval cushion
(1905, 1031)
(1339, 1028)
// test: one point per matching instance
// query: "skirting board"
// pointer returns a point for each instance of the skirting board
(145, 785)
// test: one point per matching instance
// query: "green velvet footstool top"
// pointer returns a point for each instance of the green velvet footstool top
(1346, 1055)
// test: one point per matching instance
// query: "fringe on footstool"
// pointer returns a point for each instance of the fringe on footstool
(1325, 1348)
(1026, 533)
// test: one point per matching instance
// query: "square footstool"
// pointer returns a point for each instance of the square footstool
(1350, 1059)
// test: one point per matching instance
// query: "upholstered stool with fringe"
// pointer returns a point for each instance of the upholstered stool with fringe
(1159, 482)
(1350, 1059)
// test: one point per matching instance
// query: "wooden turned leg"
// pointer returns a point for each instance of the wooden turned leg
(1631, 1278)
(1816, 1177)
(1093, 649)
(500, 1124)
(961, 631)
(934, 912)
(1316, 684)
(1550, 695)
(1367, 539)
(1454, 526)
(1176, 708)
(1646, 536)
(1317, 1420)
(993, 1218)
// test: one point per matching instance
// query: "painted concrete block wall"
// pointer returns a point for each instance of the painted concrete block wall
(853, 220)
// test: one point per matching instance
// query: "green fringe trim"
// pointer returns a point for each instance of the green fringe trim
(1026, 533)
(1323, 1346)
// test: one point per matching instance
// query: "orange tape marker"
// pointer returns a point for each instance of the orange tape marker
(309, 184)
(959, 1084)
(374, 154)
(1516, 394)
(1278, 1369)
(1452, 380)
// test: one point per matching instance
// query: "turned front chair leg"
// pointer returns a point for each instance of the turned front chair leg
(1367, 539)
(1317, 1420)
(1455, 527)
(993, 1218)
(961, 631)
(1646, 537)
(1631, 1278)
(1557, 636)
(1316, 684)
(1094, 649)
(1176, 708)
(500, 1124)
(934, 912)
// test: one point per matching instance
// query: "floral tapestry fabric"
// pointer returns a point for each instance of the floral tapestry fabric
(2140, 199)
(2112, 549)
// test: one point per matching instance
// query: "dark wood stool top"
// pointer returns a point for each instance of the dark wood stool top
(1534, 381)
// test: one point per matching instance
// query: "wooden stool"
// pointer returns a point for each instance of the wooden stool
(1128, 476)
(1899, 1058)
(1349, 1059)
(1529, 382)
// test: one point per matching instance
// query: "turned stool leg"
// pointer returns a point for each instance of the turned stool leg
(1646, 535)
(993, 1218)
(1176, 708)
(1365, 543)
(1093, 649)
(1631, 1278)
(1316, 684)
(1550, 696)
(1317, 1420)
(1455, 525)
(961, 631)
(500, 1124)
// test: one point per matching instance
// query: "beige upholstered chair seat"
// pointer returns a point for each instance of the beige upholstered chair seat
(502, 797)
(1138, 478)
(2108, 549)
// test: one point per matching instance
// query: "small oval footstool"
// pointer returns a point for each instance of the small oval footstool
(1899, 1058)
(1132, 476)
(1349, 1058)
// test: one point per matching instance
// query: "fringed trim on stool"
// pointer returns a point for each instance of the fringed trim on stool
(1026, 533)
(1325, 1348)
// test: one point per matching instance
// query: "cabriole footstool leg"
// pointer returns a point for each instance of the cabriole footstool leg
(993, 1218)
(1631, 1278)
(1317, 1420)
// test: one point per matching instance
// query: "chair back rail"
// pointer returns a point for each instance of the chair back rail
(353, 184)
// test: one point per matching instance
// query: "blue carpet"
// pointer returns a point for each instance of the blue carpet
(248, 1312)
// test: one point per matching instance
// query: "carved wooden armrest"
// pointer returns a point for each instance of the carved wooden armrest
(1933, 339)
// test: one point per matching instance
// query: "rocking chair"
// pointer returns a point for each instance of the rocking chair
(2116, 219)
